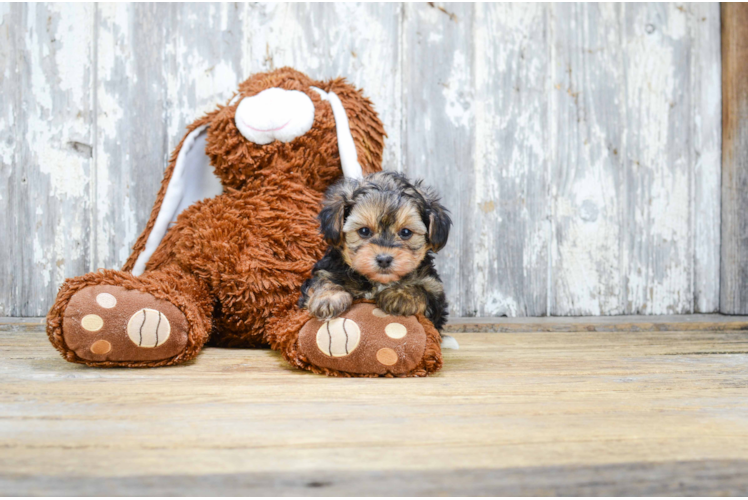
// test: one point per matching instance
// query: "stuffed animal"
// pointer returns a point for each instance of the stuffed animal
(232, 236)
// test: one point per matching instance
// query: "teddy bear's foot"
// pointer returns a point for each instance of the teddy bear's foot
(367, 341)
(108, 323)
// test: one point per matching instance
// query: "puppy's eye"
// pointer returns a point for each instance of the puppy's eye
(364, 232)
(405, 233)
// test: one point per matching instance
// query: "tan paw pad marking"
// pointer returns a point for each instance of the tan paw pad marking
(148, 328)
(106, 300)
(338, 337)
(395, 330)
(387, 356)
(101, 347)
(92, 322)
(379, 313)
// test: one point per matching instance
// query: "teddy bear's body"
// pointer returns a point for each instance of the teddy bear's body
(228, 267)
(249, 250)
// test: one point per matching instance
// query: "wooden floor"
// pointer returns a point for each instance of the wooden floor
(659, 409)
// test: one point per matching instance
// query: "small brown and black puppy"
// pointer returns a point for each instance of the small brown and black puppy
(383, 232)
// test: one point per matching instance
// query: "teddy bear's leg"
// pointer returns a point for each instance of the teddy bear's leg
(112, 318)
(363, 342)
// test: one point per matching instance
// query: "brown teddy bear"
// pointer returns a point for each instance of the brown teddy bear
(233, 235)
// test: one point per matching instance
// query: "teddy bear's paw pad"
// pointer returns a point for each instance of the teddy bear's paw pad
(338, 337)
(110, 323)
(364, 340)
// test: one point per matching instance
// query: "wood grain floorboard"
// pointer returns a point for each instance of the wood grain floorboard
(546, 412)
(694, 478)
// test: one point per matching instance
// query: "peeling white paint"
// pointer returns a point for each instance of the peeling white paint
(113, 36)
(65, 169)
(41, 259)
(73, 52)
(509, 159)
(486, 159)
(7, 147)
(217, 82)
(129, 226)
(4, 11)
(662, 256)
(706, 85)
(498, 304)
(677, 25)
(39, 85)
(458, 99)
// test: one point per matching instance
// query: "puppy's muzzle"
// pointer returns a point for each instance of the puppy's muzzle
(384, 261)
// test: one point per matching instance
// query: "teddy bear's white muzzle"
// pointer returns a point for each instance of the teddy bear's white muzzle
(275, 114)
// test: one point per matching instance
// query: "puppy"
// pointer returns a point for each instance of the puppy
(383, 232)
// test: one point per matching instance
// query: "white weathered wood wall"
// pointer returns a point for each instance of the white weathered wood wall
(578, 145)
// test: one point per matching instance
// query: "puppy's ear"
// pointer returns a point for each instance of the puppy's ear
(436, 217)
(338, 199)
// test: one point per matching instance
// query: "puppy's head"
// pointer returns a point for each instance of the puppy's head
(383, 224)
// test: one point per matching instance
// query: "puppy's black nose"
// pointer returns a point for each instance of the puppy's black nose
(384, 260)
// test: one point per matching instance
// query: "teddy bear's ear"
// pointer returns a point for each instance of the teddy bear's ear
(346, 145)
(189, 179)
(366, 128)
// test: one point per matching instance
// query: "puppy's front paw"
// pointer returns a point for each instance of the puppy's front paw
(399, 302)
(329, 304)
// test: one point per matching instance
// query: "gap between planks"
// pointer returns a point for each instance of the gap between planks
(665, 323)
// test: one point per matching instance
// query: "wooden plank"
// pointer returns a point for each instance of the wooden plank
(700, 478)
(46, 120)
(505, 227)
(658, 247)
(438, 132)
(360, 42)
(131, 134)
(662, 323)
(22, 324)
(706, 162)
(643, 410)
(734, 270)
(10, 90)
(588, 113)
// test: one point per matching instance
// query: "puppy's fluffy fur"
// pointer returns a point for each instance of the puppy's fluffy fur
(383, 232)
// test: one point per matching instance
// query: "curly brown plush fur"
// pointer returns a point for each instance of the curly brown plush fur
(233, 264)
